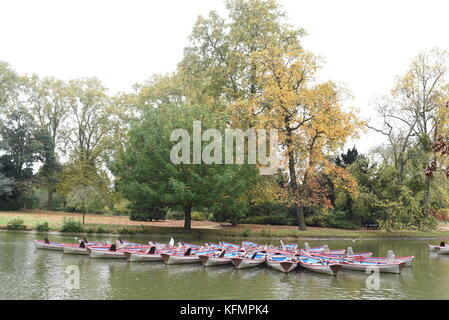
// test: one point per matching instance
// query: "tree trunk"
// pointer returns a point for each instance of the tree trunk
(187, 218)
(426, 204)
(50, 198)
(300, 216)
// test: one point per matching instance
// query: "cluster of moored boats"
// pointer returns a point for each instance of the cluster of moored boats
(284, 258)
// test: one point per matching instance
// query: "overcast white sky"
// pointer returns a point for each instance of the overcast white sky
(366, 44)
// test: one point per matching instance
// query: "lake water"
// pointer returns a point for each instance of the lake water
(29, 273)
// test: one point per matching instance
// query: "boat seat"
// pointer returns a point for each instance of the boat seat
(152, 250)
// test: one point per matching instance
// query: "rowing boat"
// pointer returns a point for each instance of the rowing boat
(316, 264)
(58, 246)
(443, 250)
(250, 260)
(110, 253)
(435, 247)
(391, 257)
(152, 255)
(221, 259)
(281, 262)
(360, 265)
(189, 256)
(81, 249)
(43, 244)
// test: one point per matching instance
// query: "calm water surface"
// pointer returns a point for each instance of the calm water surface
(29, 273)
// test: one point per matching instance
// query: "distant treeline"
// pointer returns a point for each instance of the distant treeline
(69, 145)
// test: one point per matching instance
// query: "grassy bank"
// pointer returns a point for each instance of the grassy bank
(103, 224)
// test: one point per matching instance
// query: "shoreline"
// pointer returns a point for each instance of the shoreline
(196, 236)
(113, 226)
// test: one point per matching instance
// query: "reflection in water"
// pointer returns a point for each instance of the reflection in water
(28, 273)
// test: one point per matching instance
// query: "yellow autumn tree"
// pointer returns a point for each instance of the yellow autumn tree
(311, 122)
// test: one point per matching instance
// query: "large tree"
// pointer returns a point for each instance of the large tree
(49, 103)
(251, 63)
(411, 120)
(151, 181)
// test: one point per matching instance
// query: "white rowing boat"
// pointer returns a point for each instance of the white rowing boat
(142, 257)
(45, 244)
(106, 253)
(318, 265)
(442, 250)
(282, 263)
(250, 261)
(223, 258)
(189, 256)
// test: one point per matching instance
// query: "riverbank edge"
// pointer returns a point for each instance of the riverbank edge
(201, 235)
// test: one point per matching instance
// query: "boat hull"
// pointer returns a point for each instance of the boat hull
(408, 261)
(142, 257)
(443, 250)
(243, 263)
(106, 254)
(381, 267)
(330, 269)
(48, 246)
(75, 250)
(170, 259)
(209, 261)
(283, 266)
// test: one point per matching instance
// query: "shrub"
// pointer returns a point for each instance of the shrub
(332, 219)
(121, 208)
(101, 229)
(280, 220)
(150, 215)
(246, 233)
(199, 216)
(16, 224)
(42, 227)
(71, 225)
(175, 215)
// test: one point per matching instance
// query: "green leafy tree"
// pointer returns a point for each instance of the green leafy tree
(146, 176)
(49, 104)
(84, 198)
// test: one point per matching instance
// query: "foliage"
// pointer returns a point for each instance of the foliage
(174, 215)
(71, 225)
(149, 215)
(42, 227)
(121, 208)
(332, 219)
(16, 224)
(147, 177)
(275, 220)
(199, 216)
